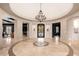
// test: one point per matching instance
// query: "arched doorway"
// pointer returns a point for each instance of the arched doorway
(25, 29)
(8, 27)
(40, 30)
(56, 29)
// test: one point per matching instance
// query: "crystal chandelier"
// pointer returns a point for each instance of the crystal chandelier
(40, 17)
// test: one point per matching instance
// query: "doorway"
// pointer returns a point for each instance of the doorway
(56, 27)
(25, 29)
(8, 30)
(40, 30)
(8, 27)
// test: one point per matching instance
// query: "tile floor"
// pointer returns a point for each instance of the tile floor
(5, 44)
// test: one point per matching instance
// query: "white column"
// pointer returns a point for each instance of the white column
(30, 30)
(18, 30)
(15, 30)
(1, 28)
(47, 31)
(63, 29)
(33, 30)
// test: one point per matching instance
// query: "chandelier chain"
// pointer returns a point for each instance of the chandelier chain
(40, 5)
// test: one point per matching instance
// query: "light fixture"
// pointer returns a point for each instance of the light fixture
(40, 17)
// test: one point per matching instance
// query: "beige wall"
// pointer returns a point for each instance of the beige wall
(1, 27)
(33, 25)
(17, 28)
(70, 28)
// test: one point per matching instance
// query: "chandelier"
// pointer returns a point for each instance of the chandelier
(40, 17)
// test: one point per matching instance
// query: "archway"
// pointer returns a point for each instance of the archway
(8, 27)
(40, 30)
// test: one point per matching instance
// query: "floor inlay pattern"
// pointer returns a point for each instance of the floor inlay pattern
(26, 48)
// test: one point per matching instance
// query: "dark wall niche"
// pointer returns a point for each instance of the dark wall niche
(56, 29)
(24, 29)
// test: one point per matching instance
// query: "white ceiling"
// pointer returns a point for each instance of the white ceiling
(50, 10)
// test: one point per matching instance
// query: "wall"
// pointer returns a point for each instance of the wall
(2, 15)
(71, 33)
(17, 25)
(1, 27)
(33, 29)
(66, 27)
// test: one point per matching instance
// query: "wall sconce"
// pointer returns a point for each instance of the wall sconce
(34, 29)
(47, 29)
(75, 30)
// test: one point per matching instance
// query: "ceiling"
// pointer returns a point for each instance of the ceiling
(51, 10)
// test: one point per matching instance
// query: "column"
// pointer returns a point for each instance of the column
(18, 30)
(1, 28)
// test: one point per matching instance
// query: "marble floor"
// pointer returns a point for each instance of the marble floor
(60, 49)
(27, 47)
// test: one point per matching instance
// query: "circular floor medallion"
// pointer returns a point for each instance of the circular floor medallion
(26, 48)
